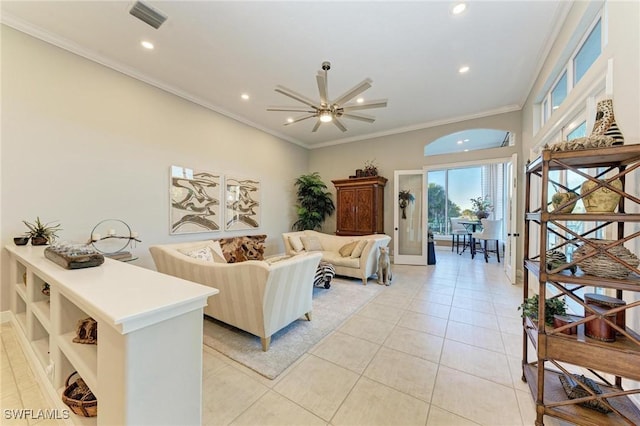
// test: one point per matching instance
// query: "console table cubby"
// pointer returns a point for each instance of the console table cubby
(147, 366)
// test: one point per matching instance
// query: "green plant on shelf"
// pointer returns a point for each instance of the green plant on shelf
(552, 306)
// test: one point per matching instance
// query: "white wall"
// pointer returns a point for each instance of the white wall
(82, 143)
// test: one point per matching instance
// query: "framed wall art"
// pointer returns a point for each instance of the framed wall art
(195, 201)
(242, 199)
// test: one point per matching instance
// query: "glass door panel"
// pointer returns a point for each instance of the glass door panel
(409, 233)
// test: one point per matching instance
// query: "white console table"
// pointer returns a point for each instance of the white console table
(147, 366)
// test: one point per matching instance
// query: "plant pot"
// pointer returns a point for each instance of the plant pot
(21, 241)
(602, 200)
(39, 241)
(559, 198)
(481, 214)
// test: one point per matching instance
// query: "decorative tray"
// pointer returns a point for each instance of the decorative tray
(70, 258)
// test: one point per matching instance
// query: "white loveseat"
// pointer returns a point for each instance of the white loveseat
(255, 296)
(362, 266)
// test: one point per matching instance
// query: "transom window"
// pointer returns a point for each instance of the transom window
(586, 53)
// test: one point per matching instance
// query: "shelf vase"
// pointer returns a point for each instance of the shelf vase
(39, 241)
(602, 200)
(559, 198)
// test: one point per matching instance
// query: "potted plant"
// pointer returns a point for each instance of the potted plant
(314, 202)
(370, 169)
(482, 206)
(404, 198)
(553, 306)
(41, 233)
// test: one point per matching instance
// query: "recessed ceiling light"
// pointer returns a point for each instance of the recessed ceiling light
(289, 120)
(245, 96)
(556, 107)
(147, 44)
(466, 140)
(463, 69)
(458, 8)
(360, 100)
(459, 142)
(466, 150)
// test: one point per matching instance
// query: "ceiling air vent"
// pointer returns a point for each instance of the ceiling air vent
(148, 14)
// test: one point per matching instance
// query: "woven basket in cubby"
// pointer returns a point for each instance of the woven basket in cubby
(601, 265)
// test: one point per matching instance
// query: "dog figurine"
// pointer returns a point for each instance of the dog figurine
(384, 267)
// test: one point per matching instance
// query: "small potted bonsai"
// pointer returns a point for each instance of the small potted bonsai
(553, 306)
(42, 233)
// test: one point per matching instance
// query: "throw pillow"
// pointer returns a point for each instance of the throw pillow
(202, 253)
(239, 249)
(347, 249)
(311, 243)
(296, 243)
(359, 248)
(216, 251)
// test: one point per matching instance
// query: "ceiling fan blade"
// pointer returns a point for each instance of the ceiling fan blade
(315, 128)
(338, 124)
(304, 117)
(379, 103)
(361, 117)
(291, 109)
(355, 91)
(321, 78)
(297, 96)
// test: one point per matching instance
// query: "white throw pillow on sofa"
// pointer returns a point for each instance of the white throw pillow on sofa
(202, 253)
(311, 243)
(216, 251)
(296, 243)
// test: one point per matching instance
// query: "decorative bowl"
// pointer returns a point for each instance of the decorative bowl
(21, 241)
(601, 265)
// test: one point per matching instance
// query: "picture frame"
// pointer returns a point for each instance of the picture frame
(242, 203)
(195, 197)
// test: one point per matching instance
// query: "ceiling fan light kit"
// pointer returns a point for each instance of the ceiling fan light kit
(326, 111)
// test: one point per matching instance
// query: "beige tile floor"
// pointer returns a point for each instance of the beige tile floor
(440, 346)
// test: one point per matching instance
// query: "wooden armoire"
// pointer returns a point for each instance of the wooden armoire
(360, 205)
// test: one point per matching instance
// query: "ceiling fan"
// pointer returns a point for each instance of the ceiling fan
(329, 111)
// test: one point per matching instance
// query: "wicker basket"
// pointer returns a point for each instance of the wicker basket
(601, 265)
(79, 397)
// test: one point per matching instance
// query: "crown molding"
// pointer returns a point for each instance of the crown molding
(39, 33)
(502, 110)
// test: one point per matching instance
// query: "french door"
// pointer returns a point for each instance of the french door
(511, 222)
(409, 219)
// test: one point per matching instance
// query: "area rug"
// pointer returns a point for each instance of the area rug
(331, 307)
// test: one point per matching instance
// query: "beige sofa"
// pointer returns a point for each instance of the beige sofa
(256, 296)
(362, 266)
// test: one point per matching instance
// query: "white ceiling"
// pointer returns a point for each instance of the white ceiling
(213, 51)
